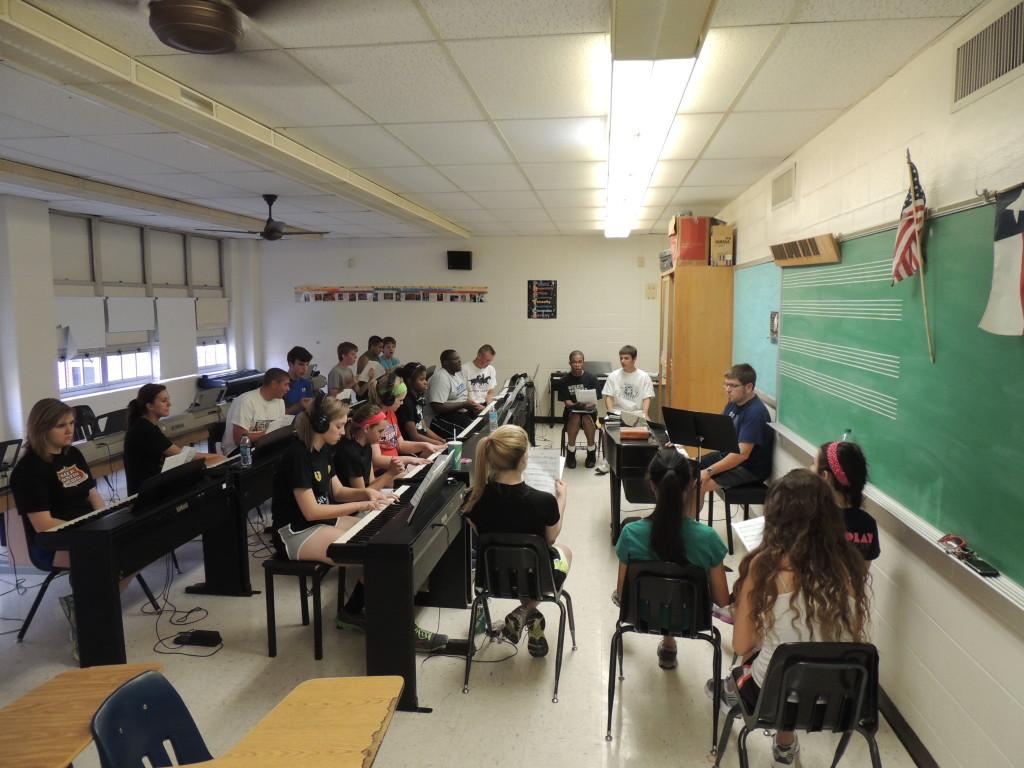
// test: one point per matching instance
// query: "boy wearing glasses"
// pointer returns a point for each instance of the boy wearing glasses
(751, 418)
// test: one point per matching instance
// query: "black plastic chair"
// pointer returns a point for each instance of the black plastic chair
(598, 438)
(136, 721)
(740, 495)
(215, 434)
(517, 566)
(113, 421)
(87, 426)
(815, 687)
(660, 598)
(304, 569)
(52, 574)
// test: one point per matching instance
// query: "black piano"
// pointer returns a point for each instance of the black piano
(415, 552)
(233, 384)
(627, 467)
(116, 542)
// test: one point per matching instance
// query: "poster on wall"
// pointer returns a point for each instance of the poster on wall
(541, 299)
(437, 294)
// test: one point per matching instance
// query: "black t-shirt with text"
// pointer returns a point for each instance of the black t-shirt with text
(862, 532)
(569, 385)
(353, 460)
(144, 446)
(60, 486)
(514, 509)
(300, 468)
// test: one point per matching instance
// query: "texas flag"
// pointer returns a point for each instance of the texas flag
(1004, 314)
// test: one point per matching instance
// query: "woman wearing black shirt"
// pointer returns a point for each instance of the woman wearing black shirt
(307, 515)
(410, 413)
(354, 454)
(843, 466)
(145, 445)
(502, 503)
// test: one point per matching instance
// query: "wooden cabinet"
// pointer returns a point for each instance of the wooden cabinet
(695, 346)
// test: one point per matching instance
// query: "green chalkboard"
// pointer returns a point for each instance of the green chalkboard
(945, 440)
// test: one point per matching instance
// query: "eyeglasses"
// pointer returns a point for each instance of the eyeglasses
(731, 387)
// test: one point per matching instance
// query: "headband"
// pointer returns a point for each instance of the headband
(399, 389)
(832, 453)
(371, 420)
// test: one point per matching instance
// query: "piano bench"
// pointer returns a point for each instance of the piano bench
(304, 569)
(741, 495)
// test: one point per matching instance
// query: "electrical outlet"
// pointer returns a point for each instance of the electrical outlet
(651, 290)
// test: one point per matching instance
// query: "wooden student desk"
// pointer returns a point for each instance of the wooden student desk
(49, 726)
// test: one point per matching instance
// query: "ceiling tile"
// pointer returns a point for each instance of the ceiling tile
(767, 134)
(420, 178)
(554, 76)
(576, 215)
(473, 217)
(718, 195)
(749, 13)
(726, 61)
(823, 66)
(561, 140)
(573, 198)
(353, 22)
(670, 173)
(500, 18)
(519, 215)
(175, 151)
(87, 155)
(461, 143)
(688, 135)
(566, 175)
(658, 195)
(187, 185)
(422, 84)
(485, 178)
(36, 194)
(840, 10)
(268, 86)
(728, 172)
(512, 199)
(534, 228)
(13, 128)
(446, 201)
(357, 146)
(491, 230)
(326, 204)
(264, 182)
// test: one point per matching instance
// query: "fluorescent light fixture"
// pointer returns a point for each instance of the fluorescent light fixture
(645, 100)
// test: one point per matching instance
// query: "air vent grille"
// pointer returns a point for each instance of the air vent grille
(995, 51)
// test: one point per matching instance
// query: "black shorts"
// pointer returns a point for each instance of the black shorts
(731, 477)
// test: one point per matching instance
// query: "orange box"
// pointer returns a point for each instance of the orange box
(689, 239)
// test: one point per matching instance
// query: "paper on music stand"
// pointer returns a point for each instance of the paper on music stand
(750, 532)
(543, 467)
(187, 454)
(586, 395)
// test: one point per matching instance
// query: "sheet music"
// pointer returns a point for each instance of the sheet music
(586, 395)
(543, 467)
(187, 454)
(750, 532)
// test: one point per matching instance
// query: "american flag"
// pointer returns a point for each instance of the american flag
(906, 257)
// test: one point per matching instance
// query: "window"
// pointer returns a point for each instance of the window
(130, 365)
(104, 370)
(79, 373)
(212, 354)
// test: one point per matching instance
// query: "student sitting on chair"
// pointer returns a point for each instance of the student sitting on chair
(52, 483)
(804, 583)
(343, 375)
(577, 414)
(388, 361)
(844, 468)
(353, 457)
(449, 409)
(671, 534)
(389, 393)
(751, 418)
(145, 445)
(300, 388)
(311, 507)
(481, 378)
(628, 388)
(502, 503)
(410, 413)
(252, 412)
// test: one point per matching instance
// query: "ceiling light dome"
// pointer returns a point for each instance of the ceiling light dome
(196, 26)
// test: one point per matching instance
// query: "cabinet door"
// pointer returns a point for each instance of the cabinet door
(666, 340)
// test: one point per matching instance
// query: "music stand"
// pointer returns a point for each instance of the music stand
(705, 430)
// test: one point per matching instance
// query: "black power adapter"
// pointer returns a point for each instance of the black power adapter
(205, 637)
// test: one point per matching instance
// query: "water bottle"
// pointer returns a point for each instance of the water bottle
(492, 419)
(245, 451)
(847, 435)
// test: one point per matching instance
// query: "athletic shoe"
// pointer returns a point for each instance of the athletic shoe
(615, 598)
(67, 605)
(666, 656)
(591, 461)
(355, 622)
(480, 625)
(570, 460)
(729, 698)
(514, 623)
(785, 755)
(427, 641)
(536, 643)
(602, 468)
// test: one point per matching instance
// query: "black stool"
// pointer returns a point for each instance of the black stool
(744, 495)
(277, 566)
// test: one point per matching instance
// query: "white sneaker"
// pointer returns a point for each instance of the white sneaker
(67, 605)
(785, 755)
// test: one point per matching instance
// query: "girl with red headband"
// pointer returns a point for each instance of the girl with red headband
(843, 466)
(354, 455)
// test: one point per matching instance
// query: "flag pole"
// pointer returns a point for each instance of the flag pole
(920, 253)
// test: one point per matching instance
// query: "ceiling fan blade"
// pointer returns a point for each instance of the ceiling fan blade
(300, 234)
(231, 231)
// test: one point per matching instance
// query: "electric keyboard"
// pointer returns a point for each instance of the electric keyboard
(82, 519)
(417, 469)
(374, 520)
(471, 428)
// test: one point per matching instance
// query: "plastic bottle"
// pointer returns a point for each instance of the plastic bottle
(847, 435)
(245, 451)
(492, 419)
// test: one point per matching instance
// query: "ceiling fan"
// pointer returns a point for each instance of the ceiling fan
(272, 230)
(202, 26)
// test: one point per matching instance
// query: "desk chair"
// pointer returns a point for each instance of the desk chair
(815, 687)
(660, 598)
(304, 569)
(518, 566)
(215, 435)
(87, 426)
(139, 719)
(741, 495)
(114, 421)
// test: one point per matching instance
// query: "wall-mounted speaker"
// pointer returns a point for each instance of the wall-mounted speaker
(460, 259)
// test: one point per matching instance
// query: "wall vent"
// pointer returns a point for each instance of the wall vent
(990, 55)
(821, 249)
(784, 187)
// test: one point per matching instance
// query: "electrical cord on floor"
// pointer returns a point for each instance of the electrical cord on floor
(176, 618)
(259, 547)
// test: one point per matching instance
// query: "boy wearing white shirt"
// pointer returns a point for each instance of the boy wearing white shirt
(629, 388)
(480, 376)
